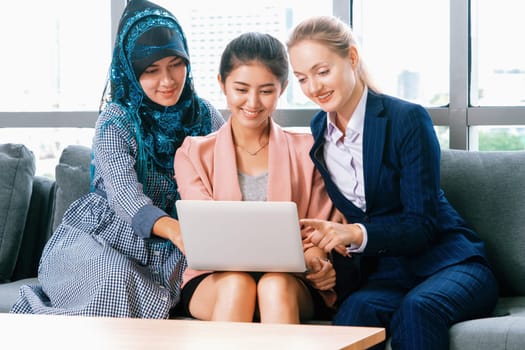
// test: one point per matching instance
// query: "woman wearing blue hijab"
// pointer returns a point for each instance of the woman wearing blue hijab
(118, 250)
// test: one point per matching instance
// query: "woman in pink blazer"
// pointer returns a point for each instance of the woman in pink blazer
(252, 158)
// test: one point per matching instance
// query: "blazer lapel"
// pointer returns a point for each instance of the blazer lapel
(318, 127)
(225, 177)
(279, 167)
(373, 144)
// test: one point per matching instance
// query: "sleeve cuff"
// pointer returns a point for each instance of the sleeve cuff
(144, 220)
(354, 248)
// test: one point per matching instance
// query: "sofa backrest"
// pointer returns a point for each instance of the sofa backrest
(17, 164)
(72, 179)
(488, 189)
(37, 228)
(31, 207)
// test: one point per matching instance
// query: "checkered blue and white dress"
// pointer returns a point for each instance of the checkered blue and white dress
(98, 262)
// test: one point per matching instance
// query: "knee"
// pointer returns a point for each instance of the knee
(421, 322)
(275, 284)
(422, 307)
(237, 285)
(361, 309)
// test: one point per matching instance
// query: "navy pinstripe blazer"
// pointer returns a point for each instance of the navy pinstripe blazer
(407, 213)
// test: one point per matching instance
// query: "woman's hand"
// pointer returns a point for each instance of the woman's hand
(322, 273)
(169, 228)
(329, 235)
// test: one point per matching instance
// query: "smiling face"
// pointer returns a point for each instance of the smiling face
(163, 81)
(252, 92)
(328, 79)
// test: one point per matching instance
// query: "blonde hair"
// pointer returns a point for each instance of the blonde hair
(333, 33)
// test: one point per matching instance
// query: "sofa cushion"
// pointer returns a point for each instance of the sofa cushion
(505, 333)
(72, 178)
(9, 292)
(488, 190)
(510, 306)
(17, 166)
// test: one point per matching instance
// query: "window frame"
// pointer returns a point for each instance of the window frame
(459, 116)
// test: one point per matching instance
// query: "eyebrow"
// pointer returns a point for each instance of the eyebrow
(312, 68)
(259, 86)
(175, 58)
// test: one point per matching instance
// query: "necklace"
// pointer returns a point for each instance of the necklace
(253, 154)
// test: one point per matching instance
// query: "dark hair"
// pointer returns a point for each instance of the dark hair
(255, 47)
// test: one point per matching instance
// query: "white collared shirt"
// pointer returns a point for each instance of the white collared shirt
(343, 154)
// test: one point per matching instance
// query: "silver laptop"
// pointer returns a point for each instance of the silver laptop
(241, 236)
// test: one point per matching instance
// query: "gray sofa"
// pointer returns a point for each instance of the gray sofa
(487, 188)
(31, 207)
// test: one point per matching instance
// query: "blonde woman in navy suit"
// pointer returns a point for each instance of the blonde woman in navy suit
(421, 267)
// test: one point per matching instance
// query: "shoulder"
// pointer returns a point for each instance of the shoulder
(199, 144)
(298, 134)
(115, 115)
(318, 123)
(298, 138)
(113, 120)
(398, 107)
(407, 121)
(113, 111)
(204, 103)
(216, 117)
(196, 152)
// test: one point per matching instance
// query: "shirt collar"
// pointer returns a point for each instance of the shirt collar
(355, 125)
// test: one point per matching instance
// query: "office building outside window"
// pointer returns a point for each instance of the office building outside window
(209, 25)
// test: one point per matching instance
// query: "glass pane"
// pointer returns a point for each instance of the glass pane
(47, 144)
(498, 53)
(209, 25)
(405, 44)
(497, 138)
(443, 135)
(55, 54)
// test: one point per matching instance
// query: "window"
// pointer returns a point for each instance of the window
(405, 44)
(209, 25)
(497, 138)
(55, 54)
(64, 51)
(47, 144)
(497, 84)
(461, 59)
(498, 53)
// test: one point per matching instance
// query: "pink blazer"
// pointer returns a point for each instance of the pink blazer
(205, 168)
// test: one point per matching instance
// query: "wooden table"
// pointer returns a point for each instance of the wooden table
(61, 332)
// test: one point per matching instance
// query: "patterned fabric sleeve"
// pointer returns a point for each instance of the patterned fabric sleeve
(114, 156)
(217, 120)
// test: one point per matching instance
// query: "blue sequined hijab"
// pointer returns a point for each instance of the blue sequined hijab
(147, 33)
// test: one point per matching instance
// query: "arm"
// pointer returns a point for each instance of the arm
(115, 153)
(410, 226)
(321, 273)
(169, 228)
(409, 199)
(191, 185)
(321, 208)
(166, 226)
